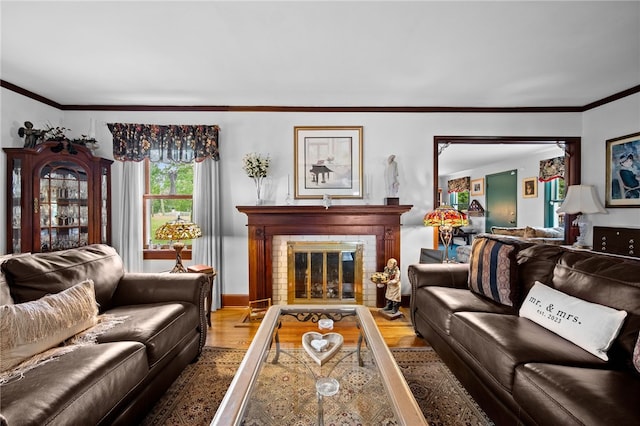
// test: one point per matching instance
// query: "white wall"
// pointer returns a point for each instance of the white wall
(409, 136)
(606, 122)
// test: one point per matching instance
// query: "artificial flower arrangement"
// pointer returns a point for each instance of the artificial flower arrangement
(256, 165)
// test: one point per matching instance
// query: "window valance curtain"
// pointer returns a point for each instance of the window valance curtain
(551, 169)
(459, 185)
(173, 143)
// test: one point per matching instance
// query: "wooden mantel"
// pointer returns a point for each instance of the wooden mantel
(267, 221)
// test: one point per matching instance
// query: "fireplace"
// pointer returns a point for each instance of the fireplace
(377, 226)
(324, 272)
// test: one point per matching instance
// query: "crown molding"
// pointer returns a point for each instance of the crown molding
(325, 109)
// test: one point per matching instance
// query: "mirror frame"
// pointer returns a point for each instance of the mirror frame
(572, 164)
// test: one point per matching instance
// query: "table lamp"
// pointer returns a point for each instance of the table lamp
(177, 230)
(445, 218)
(581, 200)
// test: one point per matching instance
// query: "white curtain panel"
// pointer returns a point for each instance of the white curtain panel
(206, 213)
(130, 229)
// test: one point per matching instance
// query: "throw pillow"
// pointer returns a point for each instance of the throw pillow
(5, 294)
(512, 232)
(636, 355)
(591, 326)
(532, 232)
(26, 329)
(493, 270)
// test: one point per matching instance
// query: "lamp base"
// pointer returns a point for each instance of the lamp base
(179, 267)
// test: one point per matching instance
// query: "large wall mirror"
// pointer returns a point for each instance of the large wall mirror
(478, 158)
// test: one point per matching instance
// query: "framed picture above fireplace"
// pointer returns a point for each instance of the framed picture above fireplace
(328, 161)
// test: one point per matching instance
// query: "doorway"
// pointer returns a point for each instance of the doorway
(501, 191)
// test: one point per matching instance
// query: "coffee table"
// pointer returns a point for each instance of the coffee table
(276, 383)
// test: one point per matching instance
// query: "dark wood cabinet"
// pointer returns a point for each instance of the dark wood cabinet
(622, 241)
(58, 197)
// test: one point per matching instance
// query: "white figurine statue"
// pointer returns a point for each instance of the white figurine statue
(391, 177)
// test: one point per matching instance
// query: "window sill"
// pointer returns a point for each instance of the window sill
(166, 254)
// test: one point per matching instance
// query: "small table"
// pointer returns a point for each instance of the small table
(211, 274)
(365, 370)
(467, 235)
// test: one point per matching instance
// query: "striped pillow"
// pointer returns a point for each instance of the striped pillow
(493, 270)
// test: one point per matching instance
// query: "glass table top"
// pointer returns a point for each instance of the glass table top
(334, 368)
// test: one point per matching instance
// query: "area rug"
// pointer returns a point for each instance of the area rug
(195, 395)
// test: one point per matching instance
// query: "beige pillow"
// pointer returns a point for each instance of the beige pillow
(26, 329)
(531, 232)
(636, 355)
(5, 295)
(512, 232)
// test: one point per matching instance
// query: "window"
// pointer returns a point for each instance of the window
(554, 192)
(459, 200)
(167, 196)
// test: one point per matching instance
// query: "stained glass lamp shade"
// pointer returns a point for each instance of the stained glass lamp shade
(445, 218)
(178, 230)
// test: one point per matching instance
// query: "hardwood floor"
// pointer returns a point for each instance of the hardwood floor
(228, 330)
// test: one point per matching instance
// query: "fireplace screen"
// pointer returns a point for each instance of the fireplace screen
(324, 272)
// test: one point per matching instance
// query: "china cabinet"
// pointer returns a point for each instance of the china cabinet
(58, 197)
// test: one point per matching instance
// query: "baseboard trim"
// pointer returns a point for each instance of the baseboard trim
(235, 300)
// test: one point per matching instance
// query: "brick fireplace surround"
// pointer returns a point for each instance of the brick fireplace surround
(265, 222)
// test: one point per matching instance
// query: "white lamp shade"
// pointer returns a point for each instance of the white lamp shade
(581, 199)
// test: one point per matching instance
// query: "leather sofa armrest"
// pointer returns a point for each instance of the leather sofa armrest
(453, 275)
(138, 288)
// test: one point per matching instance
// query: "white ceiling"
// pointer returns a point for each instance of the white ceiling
(328, 53)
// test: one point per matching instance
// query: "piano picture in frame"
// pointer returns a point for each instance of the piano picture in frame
(328, 161)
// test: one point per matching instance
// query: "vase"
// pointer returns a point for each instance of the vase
(258, 182)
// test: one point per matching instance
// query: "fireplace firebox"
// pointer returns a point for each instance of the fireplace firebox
(324, 272)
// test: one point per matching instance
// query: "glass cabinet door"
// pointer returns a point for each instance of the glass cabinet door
(104, 205)
(63, 216)
(15, 209)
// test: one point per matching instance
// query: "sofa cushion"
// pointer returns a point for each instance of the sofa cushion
(577, 396)
(26, 329)
(32, 277)
(498, 343)
(438, 304)
(591, 326)
(80, 387)
(159, 326)
(493, 270)
(606, 280)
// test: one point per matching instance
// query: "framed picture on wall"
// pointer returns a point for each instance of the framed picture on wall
(530, 187)
(623, 171)
(477, 187)
(328, 160)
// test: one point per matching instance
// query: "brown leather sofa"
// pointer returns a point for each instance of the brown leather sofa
(518, 371)
(118, 378)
